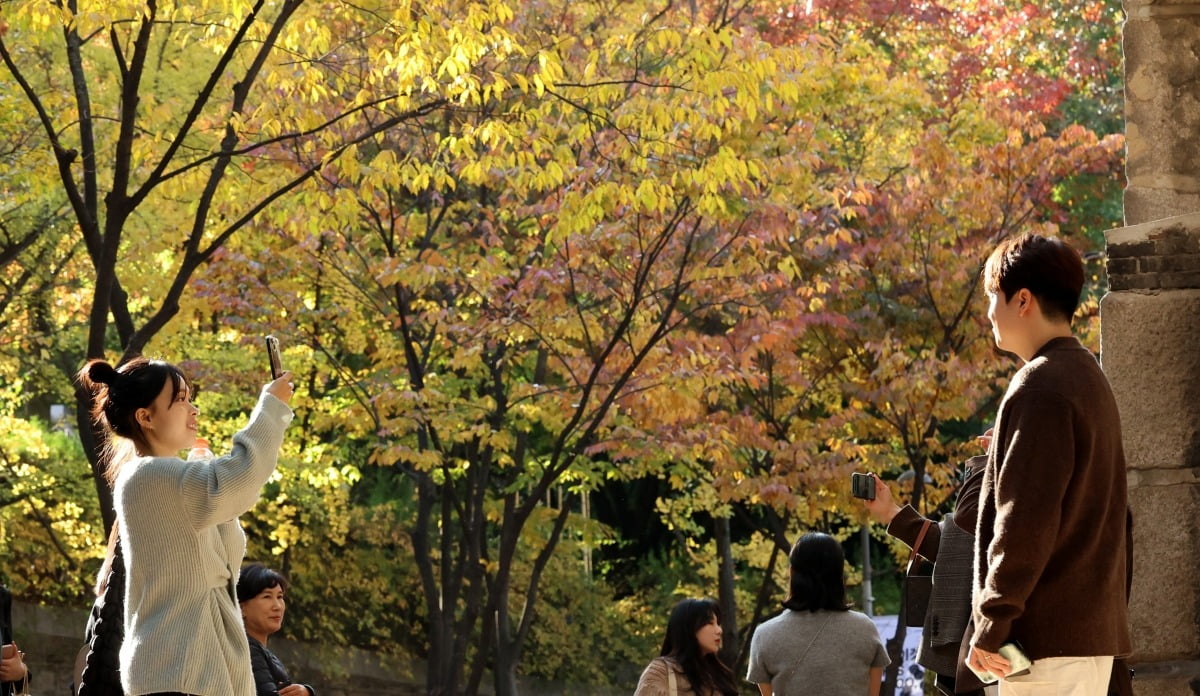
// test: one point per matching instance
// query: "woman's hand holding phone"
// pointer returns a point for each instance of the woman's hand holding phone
(282, 388)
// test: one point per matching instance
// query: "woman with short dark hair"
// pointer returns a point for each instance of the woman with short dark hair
(260, 592)
(817, 645)
(688, 662)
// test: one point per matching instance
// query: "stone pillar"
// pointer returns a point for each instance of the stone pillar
(1162, 108)
(1150, 350)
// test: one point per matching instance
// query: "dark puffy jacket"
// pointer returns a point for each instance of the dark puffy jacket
(269, 673)
(104, 634)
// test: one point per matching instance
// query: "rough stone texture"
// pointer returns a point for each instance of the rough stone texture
(1164, 254)
(1150, 335)
(1162, 109)
(1169, 684)
(1142, 203)
(1150, 338)
(51, 636)
(1149, 351)
(1166, 544)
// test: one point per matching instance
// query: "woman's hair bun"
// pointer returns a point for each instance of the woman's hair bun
(100, 372)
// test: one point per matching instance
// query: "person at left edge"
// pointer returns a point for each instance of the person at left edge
(13, 671)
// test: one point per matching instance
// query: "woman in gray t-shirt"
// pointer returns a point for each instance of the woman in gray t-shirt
(817, 646)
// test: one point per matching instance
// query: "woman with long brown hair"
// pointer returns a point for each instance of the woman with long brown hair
(688, 663)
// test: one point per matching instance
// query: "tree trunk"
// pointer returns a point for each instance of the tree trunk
(505, 669)
(765, 591)
(725, 594)
(918, 491)
(505, 636)
(441, 673)
(895, 650)
(92, 441)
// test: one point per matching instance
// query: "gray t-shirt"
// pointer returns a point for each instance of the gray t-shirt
(845, 646)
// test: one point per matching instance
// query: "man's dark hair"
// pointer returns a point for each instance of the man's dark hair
(255, 578)
(1049, 268)
(818, 574)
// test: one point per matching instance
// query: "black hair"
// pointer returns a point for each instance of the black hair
(256, 577)
(118, 393)
(818, 574)
(1049, 268)
(704, 672)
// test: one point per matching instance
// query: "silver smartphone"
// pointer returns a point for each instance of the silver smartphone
(273, 356)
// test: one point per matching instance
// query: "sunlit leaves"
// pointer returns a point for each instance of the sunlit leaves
(46, 513)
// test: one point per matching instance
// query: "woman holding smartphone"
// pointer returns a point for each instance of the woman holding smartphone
(178, 526)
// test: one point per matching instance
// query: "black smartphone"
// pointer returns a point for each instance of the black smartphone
(862, 486)
(273, 356)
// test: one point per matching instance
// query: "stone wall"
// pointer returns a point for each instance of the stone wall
(1166, 258)
(1162, 108)
(1150, 350)
(1150, 336)
(51, 638)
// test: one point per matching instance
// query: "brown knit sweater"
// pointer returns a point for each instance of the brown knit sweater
(1050, 547)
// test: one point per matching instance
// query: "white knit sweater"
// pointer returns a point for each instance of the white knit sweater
(183, 550)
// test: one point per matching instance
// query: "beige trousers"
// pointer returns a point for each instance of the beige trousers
(1061, 676)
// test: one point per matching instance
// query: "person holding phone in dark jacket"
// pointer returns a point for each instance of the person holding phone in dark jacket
(950, 544)
(261, 592)
(1051, 547)
(13, 672)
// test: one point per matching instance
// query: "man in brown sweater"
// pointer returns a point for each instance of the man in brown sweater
(1050, 546)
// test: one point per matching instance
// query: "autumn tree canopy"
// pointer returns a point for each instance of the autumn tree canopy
(519, 253)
